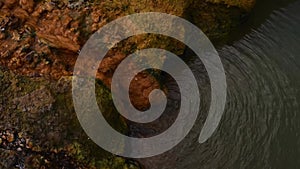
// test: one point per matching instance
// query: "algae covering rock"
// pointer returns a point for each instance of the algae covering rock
(39, 128)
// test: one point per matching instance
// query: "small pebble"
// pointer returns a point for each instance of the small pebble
(10, 138)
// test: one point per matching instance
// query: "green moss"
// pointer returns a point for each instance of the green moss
(56, 129)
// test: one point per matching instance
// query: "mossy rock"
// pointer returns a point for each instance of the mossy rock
(42, 110)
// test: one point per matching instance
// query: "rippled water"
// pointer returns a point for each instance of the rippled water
(261, 124)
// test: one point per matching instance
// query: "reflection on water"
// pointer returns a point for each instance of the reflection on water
(261, 124)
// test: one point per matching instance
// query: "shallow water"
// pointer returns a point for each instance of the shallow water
(260, 127)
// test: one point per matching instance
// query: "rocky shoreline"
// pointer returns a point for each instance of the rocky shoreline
(39, 44)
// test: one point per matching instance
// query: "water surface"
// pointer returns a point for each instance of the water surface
(260, 127)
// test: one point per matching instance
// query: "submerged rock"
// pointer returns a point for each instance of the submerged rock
(242, 4)
(218, 18)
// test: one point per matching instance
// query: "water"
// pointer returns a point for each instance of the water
(258, 15)
(260, 127)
